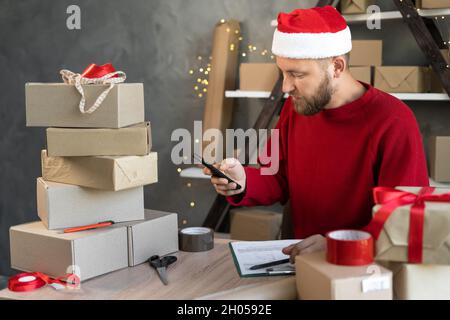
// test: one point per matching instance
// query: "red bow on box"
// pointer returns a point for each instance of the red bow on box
(95, 71)
(391, 199)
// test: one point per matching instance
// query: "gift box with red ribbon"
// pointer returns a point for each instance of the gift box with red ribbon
(411, 224)
(95, 98)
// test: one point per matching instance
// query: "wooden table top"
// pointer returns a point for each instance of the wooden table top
(200, 275)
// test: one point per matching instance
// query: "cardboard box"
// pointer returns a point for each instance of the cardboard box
(254, 224)
(156, 235)
(363, 74)
(106, 173)
(392, 243)
(355, 6)
(435, 4)
(258, 76)
(411, 79)
(56, 105)
(318, 279)
(420, 281)
(134, 140)
(440, 158)
(65, 205)
(366, 53)
(86, 253)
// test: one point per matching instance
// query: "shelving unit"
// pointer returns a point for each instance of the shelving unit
(401, 96)
(388, 15)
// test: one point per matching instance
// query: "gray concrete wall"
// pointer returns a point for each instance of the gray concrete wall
(155, 42)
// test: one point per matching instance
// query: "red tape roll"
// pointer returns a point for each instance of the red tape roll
(349, 247)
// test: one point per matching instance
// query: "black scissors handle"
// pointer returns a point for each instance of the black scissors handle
(158, 262)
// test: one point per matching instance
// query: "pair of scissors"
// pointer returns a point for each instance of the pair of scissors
(161, 264)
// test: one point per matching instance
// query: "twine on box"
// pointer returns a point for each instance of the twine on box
(76, 79)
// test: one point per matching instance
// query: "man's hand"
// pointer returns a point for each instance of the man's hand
(314, 243)
(233, 169)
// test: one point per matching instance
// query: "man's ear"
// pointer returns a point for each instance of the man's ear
(339, 66)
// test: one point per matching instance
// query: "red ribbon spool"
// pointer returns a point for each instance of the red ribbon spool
(26, 282)
(349, 247)
(35, 280)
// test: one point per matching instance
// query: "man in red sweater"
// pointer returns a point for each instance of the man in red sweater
(339, 137)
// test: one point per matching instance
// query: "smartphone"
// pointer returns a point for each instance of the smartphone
(216, 172)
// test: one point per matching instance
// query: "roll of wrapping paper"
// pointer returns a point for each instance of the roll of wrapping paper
(349, 247)
(196, 239)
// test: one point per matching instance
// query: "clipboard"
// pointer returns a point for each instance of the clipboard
(248, 253)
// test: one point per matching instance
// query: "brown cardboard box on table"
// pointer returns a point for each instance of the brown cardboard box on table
(318, 279)
(440, 158)
(254, 224)
(57, 105)
(156, 235)
(420, 281)
(91, 253)
(134, 140)
(366, 53)
(392, 243)
(355, 6)
(258, 76)
(410, 79)
(101, 172)
(434, 4)
(62, 205)
(363, 74)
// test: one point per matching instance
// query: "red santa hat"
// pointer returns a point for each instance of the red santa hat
(314, 33)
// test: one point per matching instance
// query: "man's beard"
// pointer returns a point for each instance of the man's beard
(312, 106)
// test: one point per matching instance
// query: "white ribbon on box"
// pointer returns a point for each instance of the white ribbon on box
(76, 79)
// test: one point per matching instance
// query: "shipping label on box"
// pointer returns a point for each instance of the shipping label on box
(366, 53)
(101, 172)
(134, 140)
(156, 235)
(318, 279)
(440, 158)
(57, 105)
(91, 253)
(258, 76)
(65, 205)
(402, 79)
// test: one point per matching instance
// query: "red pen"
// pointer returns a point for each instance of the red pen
(89, 227)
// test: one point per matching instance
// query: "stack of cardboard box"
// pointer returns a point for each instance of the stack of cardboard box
(366, 56)
(426, 278)
(93, 170)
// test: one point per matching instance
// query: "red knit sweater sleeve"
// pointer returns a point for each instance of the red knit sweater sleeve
(262, 188)
(401, 156)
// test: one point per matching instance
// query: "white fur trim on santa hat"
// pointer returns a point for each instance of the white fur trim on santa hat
(311, 45)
